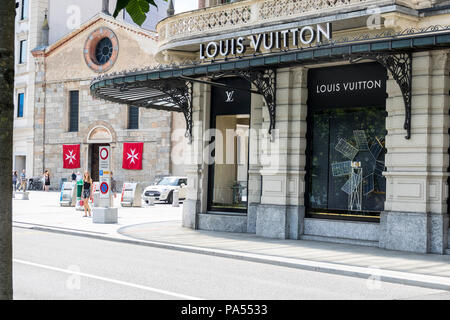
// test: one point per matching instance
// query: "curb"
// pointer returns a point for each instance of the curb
(420, 280)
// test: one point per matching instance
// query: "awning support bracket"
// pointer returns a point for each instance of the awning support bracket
(265, 82)
(181, 95)
(400, 66)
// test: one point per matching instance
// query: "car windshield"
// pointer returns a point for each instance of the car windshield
(168, 182)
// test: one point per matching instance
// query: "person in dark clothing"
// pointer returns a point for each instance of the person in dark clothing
(15, 177)
(46, 181)
(74, 176)
(86, 193)
(113, 185)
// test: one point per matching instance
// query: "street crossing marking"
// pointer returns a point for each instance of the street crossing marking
(124, 283)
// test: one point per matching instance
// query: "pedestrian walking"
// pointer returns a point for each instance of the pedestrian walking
(46, 180)
(86, 193)
(74, 176)
(15, 177)
(23, 181)
(113, 185)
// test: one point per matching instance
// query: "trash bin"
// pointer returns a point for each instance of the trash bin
(78, 205)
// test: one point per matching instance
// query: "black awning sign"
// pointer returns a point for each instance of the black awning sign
(347, 86)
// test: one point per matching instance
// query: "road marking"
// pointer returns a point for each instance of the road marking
(124, 283)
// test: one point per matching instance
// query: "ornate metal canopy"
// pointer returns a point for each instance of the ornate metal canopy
(170, 87)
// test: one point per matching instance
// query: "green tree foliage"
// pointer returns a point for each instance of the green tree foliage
(137, 9)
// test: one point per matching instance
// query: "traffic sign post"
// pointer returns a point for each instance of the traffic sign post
(104, 213)
(104, 177)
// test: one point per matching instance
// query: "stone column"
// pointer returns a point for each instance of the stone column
(281, 212)
(195, 168)
(415, 217)
(254, 168)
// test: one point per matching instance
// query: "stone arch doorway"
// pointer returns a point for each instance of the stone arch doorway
(97, 137)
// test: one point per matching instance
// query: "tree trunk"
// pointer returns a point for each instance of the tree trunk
(7, 16)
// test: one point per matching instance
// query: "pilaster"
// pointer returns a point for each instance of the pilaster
(195, 168)
(415, 217)
(281, 212)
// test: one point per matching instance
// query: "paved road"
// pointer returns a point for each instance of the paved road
(57, 266)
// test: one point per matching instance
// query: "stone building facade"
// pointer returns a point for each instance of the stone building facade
(62, 68)
(40, 23)
(29, 20)
(346, 138)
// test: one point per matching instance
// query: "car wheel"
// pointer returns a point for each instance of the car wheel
(170, 198)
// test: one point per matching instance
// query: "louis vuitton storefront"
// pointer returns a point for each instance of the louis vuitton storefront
(339, 141)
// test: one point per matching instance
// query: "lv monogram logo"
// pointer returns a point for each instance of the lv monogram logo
(230, 96)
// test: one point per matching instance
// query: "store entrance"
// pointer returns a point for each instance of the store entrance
(346, 148)
(94, 159)
(229, 147)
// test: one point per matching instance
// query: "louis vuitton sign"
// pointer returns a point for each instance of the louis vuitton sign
(356, 85)
(281, 40)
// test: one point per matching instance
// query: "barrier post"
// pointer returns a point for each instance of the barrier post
(175, 198)
(104, 213)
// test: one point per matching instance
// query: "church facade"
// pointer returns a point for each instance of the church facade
(65, 114)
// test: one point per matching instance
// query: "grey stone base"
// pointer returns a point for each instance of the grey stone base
(414, 232)
(279, 222)
(190, 210)
(66, 204)
(448, 235)
(363, 233)
(439, 233)
(222, 222)
(21, 195)
(104, 215)
(252, 213)
(341, 240)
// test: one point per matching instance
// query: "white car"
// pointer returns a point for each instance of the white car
(163, 190)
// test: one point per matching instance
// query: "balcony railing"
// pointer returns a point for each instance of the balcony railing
(251, 12)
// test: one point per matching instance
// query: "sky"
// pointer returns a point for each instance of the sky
(185, 5)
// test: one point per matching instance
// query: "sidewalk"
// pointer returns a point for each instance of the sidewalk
(160, 226)
(43, 209)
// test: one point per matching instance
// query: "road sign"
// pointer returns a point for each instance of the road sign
(104, 188)
(104, 159)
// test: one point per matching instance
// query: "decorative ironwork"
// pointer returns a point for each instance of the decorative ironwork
(265, 82)
(174, 95)
(400, 66)
(387, 34)
(235, 15)
(180, 94)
